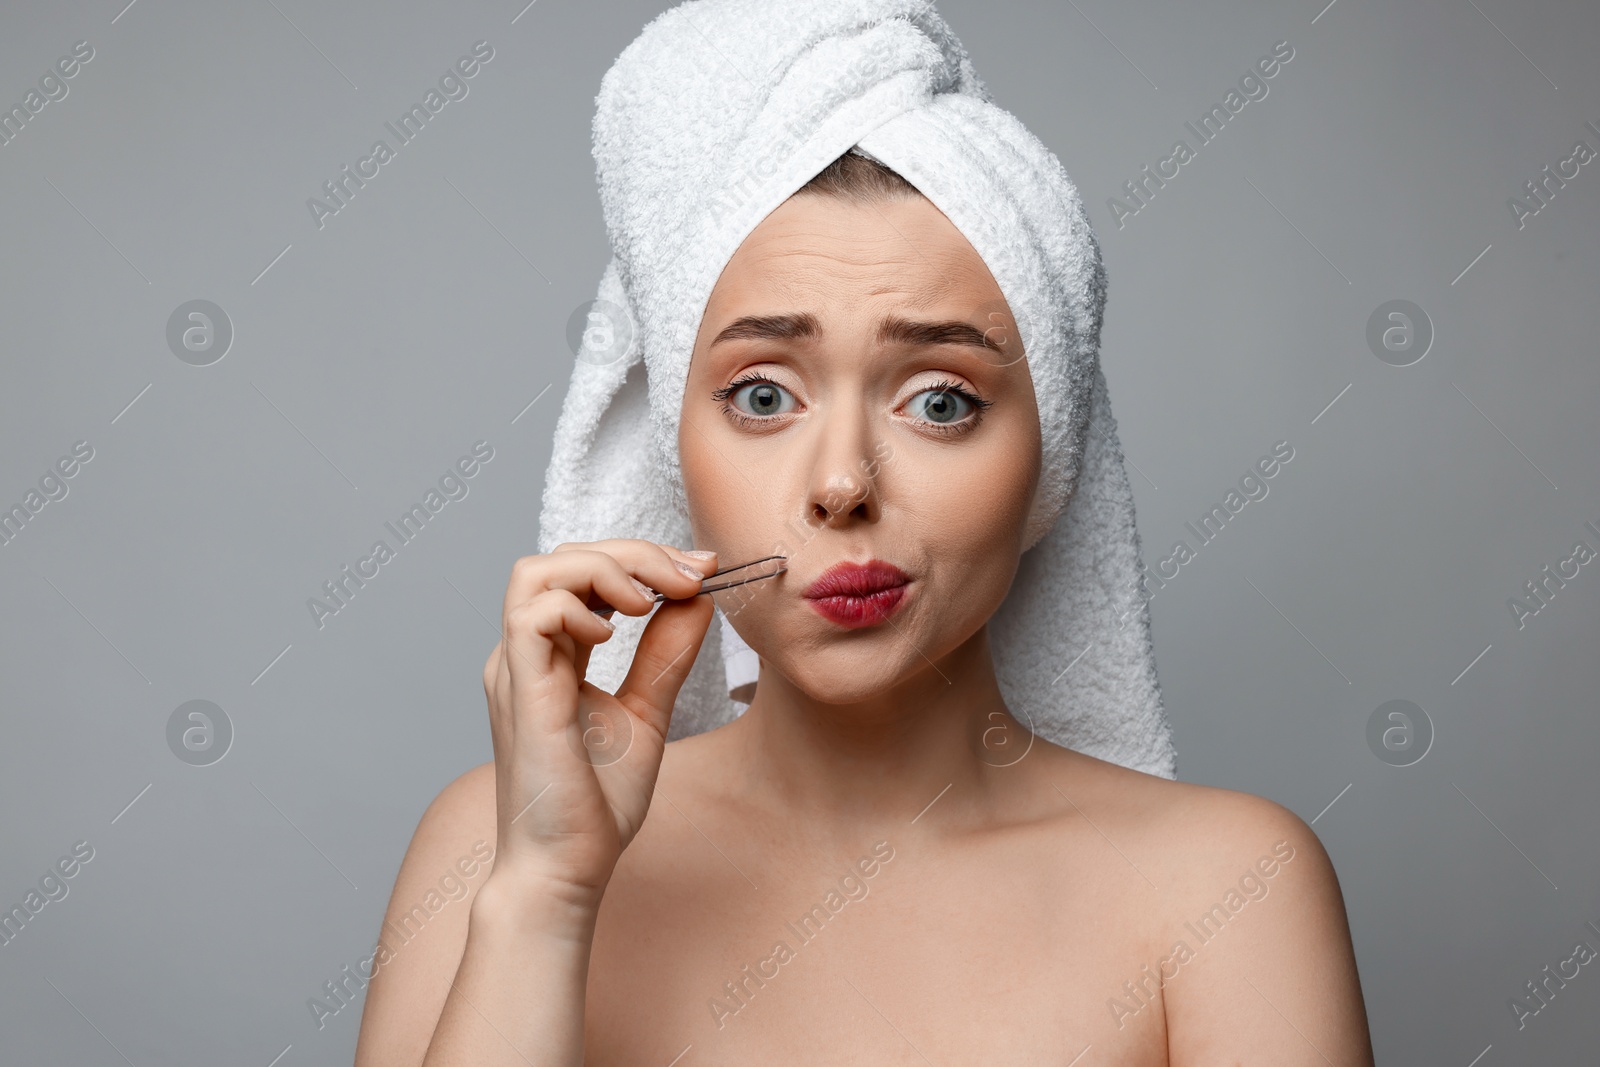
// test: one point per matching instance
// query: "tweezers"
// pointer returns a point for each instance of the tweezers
(608, 609)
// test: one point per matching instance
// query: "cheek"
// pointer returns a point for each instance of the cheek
(986, 491)
(725, 511)
(969, 511)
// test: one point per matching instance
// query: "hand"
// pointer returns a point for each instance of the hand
(575, 766)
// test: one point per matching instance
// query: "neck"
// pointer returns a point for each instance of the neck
(886, 757)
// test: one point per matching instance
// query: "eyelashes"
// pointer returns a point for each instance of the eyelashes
(740, 383)
(944, 388)
(956, 389)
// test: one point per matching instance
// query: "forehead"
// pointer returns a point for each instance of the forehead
(903, 250)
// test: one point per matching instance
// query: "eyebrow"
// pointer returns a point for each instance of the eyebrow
(892, 329)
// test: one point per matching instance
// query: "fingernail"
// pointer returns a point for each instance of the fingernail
(609, 624)
(700, 553)
(686, 569)
(644, 589)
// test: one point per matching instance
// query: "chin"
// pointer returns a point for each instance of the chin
(847, 672)
(831, 688)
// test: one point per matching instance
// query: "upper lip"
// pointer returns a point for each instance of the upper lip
(856, 579)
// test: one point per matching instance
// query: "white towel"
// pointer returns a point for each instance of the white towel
(712, 117)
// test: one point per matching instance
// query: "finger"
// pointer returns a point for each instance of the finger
(704, 564)
(577, 644)
(666, 651)
(492, 667)
(580, 656)
(491, 670)
(601, 575)
(497, 691)
(624, 547)
(540, 634)
(620, 546)
(615, 542)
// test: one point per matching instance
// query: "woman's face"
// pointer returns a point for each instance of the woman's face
(858, 392)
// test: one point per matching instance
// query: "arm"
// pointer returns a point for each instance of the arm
(518, 995)
(519, 956)
(1278, 983)
(501, 979)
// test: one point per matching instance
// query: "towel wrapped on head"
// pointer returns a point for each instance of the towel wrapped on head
(711, 118)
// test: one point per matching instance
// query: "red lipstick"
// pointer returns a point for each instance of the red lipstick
(854, 595)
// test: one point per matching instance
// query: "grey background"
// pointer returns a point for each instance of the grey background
(430, 311)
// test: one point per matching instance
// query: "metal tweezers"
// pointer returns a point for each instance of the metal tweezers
(608, 610)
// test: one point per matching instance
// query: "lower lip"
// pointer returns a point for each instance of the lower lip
(854, 612)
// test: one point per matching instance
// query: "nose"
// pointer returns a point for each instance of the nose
(844, 477)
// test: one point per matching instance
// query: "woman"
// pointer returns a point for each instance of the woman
(845, 872)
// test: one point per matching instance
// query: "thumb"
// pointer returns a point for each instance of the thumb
(667, 649)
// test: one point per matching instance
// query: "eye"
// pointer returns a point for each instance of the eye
(765, 399)
(945, 406)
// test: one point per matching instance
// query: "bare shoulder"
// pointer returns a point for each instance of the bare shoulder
(464, 806)
(424, 928)
(1208, 833)
(1255, 956)
(1189, 834)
